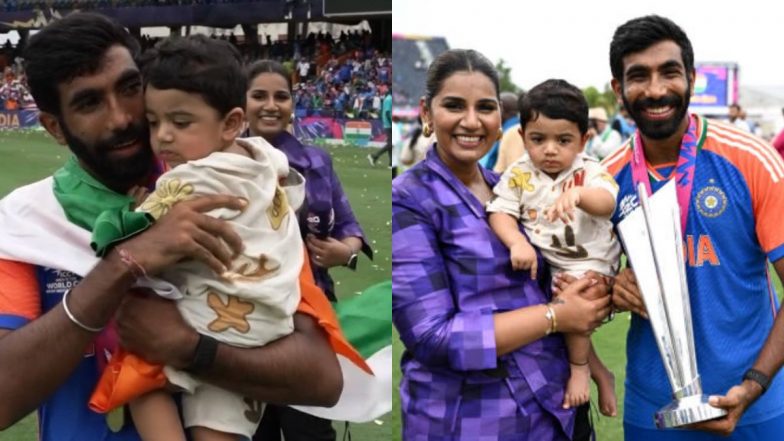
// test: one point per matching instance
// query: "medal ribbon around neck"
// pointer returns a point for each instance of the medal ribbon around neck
(684, 170)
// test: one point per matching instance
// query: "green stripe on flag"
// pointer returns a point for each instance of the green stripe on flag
(366, 319)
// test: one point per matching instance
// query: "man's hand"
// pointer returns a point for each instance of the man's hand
(186, 232)
(153, 328)
(626, 293)
(737, 400)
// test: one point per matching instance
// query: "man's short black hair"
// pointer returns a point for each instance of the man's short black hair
(68, 48)
(639, 34)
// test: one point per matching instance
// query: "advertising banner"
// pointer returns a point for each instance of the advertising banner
(320, 129)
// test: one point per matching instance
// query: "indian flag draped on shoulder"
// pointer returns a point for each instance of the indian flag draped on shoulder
(35, 229)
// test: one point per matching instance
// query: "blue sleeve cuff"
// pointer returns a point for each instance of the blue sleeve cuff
(12, 321)
(776, 253)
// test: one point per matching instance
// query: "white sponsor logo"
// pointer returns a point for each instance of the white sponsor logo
(627, 204)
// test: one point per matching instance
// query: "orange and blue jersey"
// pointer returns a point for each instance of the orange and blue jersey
(733, 229)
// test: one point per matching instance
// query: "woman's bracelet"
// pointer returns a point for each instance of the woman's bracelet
(552, 320)
(73, 318)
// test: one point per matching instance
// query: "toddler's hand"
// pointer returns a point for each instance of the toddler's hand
(139, 194)
(523, 257)
(564, 207)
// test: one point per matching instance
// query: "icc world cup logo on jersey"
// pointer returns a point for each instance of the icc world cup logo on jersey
(627, 204)
(711, 201)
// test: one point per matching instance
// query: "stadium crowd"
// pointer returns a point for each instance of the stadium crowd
(343, 77)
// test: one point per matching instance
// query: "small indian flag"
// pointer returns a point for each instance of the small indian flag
(357, 132)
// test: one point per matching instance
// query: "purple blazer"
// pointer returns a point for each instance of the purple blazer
(450, 274)
(321, 183)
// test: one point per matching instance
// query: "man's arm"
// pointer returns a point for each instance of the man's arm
(301, 368)
(740, 397)
(37, 358)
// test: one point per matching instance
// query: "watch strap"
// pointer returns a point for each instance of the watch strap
(759, 378)
(204, 355)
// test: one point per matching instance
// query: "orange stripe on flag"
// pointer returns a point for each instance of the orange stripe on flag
(315, 304)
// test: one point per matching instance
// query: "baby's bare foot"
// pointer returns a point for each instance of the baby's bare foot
(605, 383)
(578, 388)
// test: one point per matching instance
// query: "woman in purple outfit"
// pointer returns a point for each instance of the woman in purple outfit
(331, 232)
(481, 357)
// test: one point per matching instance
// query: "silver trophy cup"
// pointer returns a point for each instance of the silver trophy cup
(651, 235)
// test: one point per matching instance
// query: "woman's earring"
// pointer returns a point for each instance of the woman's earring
(500, 134)
(426, 130)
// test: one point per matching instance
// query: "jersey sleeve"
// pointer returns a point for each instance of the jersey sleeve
(20, 301)
(767, 200)
(763, 170)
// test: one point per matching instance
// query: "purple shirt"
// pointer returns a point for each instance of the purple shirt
(321, 184)
(450, 274)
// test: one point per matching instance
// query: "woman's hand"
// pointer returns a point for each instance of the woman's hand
(582, 304)
(328, 252)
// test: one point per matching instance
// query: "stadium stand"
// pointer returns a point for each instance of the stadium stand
(411, 56)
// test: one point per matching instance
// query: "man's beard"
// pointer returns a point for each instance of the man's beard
(659, 129)
(118, 174)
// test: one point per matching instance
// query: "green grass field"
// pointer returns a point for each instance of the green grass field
(28, 156)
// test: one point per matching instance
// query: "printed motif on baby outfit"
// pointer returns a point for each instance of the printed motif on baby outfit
(246, 269)
(255, 410)
(520, 179)
(166, 194)
(571, 250)
(232, 314)
(279, 208)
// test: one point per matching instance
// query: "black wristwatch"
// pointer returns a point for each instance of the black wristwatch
(758, 377)
(204, 355)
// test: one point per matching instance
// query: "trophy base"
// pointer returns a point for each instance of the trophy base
(687, 410)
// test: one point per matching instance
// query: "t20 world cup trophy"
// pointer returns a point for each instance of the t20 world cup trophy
(652, 237)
